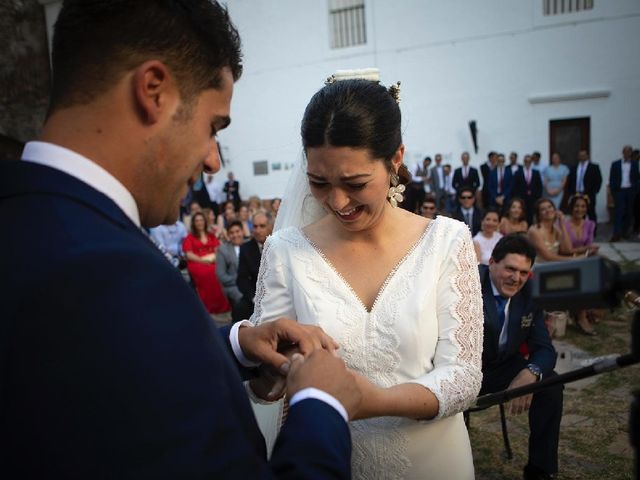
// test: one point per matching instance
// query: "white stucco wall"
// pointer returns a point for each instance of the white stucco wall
(457, 61)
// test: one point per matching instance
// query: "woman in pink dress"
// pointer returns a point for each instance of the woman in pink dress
(580, 229)
(200, 249)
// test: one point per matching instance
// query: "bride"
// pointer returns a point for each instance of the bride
(400, 293)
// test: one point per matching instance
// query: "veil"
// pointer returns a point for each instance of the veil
(298, 208)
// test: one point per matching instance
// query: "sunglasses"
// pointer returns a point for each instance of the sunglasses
(466, 197)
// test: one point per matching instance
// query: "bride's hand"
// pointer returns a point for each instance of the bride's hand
(371, 397)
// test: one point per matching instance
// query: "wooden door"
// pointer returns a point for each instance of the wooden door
(567, 137)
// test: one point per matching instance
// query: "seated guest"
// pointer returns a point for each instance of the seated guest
(514, 219)
(428, 208)
(511, 319)
(227, 216)
(547, 234)
(212, 226)
(200, 249)
(467, 212)
(227, 262)
(169, 238)
(579, 228)
(485, 240)
(192, 208)
(274, 207)
(245, 219)
(255, 205)
(249, 265)
(551, 241)
(580, 231)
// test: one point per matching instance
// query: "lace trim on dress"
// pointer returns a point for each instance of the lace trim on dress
(386, 280)
(461, 389)
(256, 318)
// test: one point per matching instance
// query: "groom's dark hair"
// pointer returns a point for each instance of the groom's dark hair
(95, 42)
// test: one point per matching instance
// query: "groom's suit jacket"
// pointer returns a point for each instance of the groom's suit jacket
(109, 364)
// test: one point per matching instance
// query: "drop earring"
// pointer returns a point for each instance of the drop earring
(395, 191)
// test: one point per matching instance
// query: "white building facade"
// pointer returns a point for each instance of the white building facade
(533, 74)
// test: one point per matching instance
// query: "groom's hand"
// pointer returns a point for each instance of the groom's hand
(270, 384)
(328, 373)
(266, 342)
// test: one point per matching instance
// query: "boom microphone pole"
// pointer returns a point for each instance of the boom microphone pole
(605, 365)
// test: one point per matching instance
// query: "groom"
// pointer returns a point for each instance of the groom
(109, 364)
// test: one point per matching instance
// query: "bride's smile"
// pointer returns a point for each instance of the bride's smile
(350, 184)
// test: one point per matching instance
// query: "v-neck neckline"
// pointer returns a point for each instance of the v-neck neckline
(388, 278)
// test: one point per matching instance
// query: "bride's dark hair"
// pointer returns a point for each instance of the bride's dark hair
(357, 114)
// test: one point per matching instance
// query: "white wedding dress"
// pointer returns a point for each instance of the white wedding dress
(425, 327)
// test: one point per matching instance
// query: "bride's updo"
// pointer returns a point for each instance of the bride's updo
(356, 114)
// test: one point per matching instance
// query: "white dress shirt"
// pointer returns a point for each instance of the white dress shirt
(582, 168)
(625, 180)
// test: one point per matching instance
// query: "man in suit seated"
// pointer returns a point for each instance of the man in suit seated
(227, 262)
(511, 319)
(110, 367)
(249, 265)
(467, 212)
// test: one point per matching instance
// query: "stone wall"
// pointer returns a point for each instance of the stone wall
(24, 73)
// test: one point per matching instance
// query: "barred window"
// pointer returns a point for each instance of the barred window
(558, 7)
(347, 26)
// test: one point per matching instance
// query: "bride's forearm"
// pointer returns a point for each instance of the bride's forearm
(405, 400)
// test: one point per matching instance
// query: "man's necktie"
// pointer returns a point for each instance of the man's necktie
(580, 188)
(467, 219)
(501, 302)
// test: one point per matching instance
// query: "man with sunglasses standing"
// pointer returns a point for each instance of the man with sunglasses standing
(467, 212)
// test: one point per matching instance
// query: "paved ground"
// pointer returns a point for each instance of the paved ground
(626, 251)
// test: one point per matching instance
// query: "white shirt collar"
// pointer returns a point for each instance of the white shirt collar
(86, 171)
(493, 287)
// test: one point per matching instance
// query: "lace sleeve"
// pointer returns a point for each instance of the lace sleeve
(273, 298)
(457, 374)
